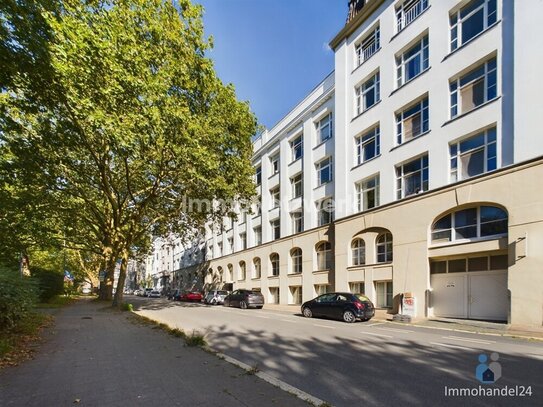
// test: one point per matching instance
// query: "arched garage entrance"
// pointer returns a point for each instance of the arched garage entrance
(467, 279)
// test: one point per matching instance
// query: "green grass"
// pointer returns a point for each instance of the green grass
(194, 339)
(58, 301)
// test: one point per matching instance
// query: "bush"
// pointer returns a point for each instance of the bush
(17, 297)
(50, 282)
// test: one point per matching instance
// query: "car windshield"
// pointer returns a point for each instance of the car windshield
(362, 298)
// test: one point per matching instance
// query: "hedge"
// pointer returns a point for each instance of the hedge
(17, 297)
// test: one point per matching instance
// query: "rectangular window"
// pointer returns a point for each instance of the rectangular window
(367, 47)
(258, 235)
(324, 171)
(325, 210)
(367, 146)
(471, 20)
(408, 11)
(275, 195)
(275, 229)
(219, 249)
(357, 288)
(258, 175)
(412, 121)
(297, 148)
(384, 294)
(297, 186)
(367, 94)
(274, 162)
(367, 193)
(243, 240)
(230, 242)
(412, 62)
(412, 177)
(324, 128)
(297, 221)
(322, 289)
(473, 156)
(476, 87)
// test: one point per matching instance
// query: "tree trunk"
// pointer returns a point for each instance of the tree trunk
(106, 286)
(118, 300)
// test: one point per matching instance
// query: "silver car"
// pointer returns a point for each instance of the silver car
(215, 297)
(154, 294)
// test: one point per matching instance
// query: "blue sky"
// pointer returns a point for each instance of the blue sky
(273, 51)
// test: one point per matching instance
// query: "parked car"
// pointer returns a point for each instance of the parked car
(194, 296)
(215, 297)
(244, 299)
(345, 306)
(154, 294)
(146, 292)
(137, 292)
(173, 294)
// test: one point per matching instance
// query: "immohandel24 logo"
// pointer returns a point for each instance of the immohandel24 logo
(489, 371)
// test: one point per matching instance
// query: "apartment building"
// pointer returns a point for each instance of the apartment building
(411, 170)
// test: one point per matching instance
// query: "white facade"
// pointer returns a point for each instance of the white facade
(426, 96)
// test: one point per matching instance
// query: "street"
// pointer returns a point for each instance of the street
(373, 363)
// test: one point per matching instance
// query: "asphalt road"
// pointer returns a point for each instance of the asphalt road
(363, 364)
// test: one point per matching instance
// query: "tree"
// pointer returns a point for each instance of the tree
(132, 125)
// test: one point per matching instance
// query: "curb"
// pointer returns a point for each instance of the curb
(270, 379)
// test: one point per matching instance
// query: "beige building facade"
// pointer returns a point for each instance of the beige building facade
(412, 172)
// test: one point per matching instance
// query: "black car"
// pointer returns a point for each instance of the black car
(345, 306)
(244, 299)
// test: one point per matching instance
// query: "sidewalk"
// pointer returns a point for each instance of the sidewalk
(97, 357)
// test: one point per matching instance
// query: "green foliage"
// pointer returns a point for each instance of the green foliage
(50, 283)
(195, 339)
(112, 120)
(17, 297)
(128, 307)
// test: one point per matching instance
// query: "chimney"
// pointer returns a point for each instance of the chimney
(354, 7)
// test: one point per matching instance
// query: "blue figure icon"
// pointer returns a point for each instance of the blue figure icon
(483, 372)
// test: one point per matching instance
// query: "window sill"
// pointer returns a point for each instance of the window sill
(321, 271)
(471, 111)
(467, 241)
(412, 21)
(368, 109)
(365, 162)
(295, 161)
(464, 45)
(321, 143)
(294, 274)
(366, 60)
(255, 279)
(410, 141)
(273, 277)
(323, 184)
(414, 78)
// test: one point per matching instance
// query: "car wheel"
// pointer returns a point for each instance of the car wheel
(213, 302)
(349, 317)
(307, 312)
(243, 304)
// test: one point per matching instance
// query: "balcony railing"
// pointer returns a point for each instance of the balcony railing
(408, 12)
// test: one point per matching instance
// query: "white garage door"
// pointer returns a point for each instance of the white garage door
(475, 295)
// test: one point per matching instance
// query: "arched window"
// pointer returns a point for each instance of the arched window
(324, 256)
(384, 248)
(230, 272)
(274, 259)
(358, 248)
(257, 267)
(296, 257)
(470, 223)
(219, 270)
(242, 270)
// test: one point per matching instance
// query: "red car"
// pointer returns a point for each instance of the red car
(191, 296)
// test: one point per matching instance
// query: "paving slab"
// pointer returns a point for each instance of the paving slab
(93, 356)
